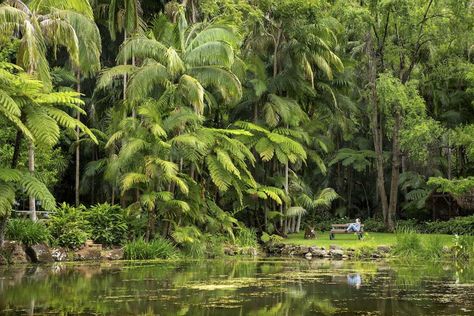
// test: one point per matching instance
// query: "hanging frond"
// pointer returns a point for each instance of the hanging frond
(220, 79)
(211, 54)
(34, 187)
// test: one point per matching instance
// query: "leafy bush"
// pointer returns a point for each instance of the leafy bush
(459, 225)
(271, 239)
(107, 224)
(68, 226)
(158, 248)
(409, 224)
(27, 231)
(374, 225)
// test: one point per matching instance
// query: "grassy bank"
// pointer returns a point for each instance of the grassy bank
(370, 239)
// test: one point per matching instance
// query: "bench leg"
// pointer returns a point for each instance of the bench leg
(360, 235)
(331, 236)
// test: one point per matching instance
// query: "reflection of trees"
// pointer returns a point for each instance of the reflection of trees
(264, 287)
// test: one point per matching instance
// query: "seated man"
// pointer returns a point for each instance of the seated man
(354, 227)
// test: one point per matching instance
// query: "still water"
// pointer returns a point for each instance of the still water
(239, 287)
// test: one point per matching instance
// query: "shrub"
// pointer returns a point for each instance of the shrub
(158, 248)
(27, 231)
(408, 244)
(68, 226)
(107, 224)
(459, 225)
(271, 239)
(409, 224)
(374, 225)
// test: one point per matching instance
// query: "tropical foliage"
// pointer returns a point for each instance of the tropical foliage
(202, 119)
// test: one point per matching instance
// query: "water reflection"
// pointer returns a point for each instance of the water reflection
(354, 279)
(238, 287)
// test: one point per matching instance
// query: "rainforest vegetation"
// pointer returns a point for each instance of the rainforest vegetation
(184, 121)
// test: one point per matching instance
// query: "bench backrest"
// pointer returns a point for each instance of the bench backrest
(343, 225)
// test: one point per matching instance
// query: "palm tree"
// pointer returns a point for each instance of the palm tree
(188, 69)
(23, 96)
(125, 16)
(37, 30)
(278, 145)
(90, 48)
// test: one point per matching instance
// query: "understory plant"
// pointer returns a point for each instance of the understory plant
(408, 244)
(158, 248)
(68, 226)
(246, 237)
(107, 224)
(27, 231)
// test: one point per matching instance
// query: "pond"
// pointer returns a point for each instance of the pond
(238, 287)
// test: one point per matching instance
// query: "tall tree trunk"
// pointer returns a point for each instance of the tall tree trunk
(376, 125)
(293, 224)
(395, 171)
(275, 52)
(16, 149)
(31, 169)
(298, 224)
(78, 147)
(3, 227)
(287, 193)
(125, 77)
(134, 112)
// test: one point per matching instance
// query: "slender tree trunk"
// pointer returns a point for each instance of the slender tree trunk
(31, 169)
(395, 171)
(449, 159)
(134, 112)
(193, 12)
(3, 227)
(125, 77)
(275, 52)
(16, 150)
(286, 191)
(376, 126)
(298, 224)
(78, 147)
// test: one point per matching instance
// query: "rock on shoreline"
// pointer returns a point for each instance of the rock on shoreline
(14, 252)
(334, 252)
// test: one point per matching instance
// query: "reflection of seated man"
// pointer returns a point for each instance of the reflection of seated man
(354, 280)
(354, 227)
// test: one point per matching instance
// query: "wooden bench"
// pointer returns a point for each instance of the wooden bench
(342, 229)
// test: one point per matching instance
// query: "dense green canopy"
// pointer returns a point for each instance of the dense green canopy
(203, 116)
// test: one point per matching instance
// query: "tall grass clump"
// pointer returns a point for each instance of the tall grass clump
(433, 248)
(158, 248)
(408, 244)
(27, 231)
(246, 237)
